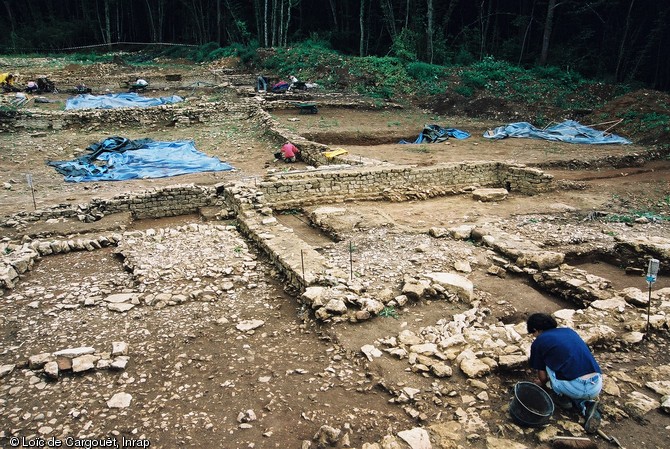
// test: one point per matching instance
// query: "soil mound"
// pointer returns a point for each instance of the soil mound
(647, 114)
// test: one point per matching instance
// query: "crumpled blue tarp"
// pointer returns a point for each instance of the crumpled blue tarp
(569, 131)
(435, 133)
(119, 159)
(122, 100)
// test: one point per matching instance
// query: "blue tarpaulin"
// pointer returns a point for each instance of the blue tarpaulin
(118, 159)
(122, 100)
(569, 131)
(435, 133)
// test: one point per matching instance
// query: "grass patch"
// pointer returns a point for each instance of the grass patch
(418, 149)
(389, 311)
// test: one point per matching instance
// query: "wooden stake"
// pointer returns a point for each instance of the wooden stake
(29, 178)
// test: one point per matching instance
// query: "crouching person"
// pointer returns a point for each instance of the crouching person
(563, 359)
(288, 153)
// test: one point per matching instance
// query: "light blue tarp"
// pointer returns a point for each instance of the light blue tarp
(569, 131)
(151, 159)
(435, 133)
(122, 100)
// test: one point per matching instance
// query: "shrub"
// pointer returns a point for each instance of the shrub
(422, 71)
(404, 46)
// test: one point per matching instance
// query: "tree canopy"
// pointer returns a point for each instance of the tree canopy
(614, 40)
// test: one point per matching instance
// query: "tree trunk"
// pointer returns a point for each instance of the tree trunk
(281, 23)
(407, 14)
(161, 19)
(622, 47)
(288, 19)
(274, 23)
(524, 38)
(389, 19)
(11, 20)
(548, 25)
(218, 21)
(361, 24)
(482, 36)
(108, 26)
(265, 24)
(333, 10)
(152, 24)
(429, 18)
(447, 15)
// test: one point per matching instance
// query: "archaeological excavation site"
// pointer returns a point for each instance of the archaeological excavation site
(373, 294)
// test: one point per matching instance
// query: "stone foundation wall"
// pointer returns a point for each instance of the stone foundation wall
(165, 202)
(311, 152)
(372, 183)
(178, 114)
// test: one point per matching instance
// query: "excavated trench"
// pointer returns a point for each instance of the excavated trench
(620, 277)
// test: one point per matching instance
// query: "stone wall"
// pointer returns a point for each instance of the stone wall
(166, 202)
(373, 183)
(311, 152)
(175, 114)
(299, 264)
(169, 201)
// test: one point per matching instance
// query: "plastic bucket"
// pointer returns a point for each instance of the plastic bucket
(531, 405)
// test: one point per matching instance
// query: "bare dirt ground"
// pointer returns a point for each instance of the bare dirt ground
(194, 376)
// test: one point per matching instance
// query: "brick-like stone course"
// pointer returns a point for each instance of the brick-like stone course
(373, 183)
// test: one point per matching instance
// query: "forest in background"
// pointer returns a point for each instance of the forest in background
(612, 40)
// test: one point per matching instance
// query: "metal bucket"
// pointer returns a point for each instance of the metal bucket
(531, 405)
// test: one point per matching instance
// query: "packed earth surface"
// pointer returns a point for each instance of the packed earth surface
(189, 336)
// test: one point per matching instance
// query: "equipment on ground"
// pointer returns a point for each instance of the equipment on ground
(334, 153)
(610, 439)
(531, 405)
(45, 85)
(573, 443)
(306, 108)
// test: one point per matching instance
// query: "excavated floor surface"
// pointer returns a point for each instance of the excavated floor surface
(192, 373)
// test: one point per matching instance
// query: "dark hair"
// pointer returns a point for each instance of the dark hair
(540, 322)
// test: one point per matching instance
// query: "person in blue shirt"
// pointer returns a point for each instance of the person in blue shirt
(563, 359)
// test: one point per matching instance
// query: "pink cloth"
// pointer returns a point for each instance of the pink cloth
(289, 150)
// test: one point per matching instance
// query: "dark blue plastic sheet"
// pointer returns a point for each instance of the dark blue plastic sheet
(568, 131)
(122, 100)
(435, 133)
(118, 159)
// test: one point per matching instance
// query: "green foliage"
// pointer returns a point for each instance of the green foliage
(89, 58)
(553, 73)
(404, 45)
(310, 59)
(315, 42)
(205, 51)
(380, 77)
(650, 121)
(418, 149)
(631, 217)
(466, 91)
(550, 85)
(464, 57)
(389, 311)
(424, 72)
(290, 212)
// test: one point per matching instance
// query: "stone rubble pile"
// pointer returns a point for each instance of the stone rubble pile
(469, 343)
(52, 365)
(18, 259)
(169, 201)
(157, 256)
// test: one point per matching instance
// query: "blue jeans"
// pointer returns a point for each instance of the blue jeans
(579, 390)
